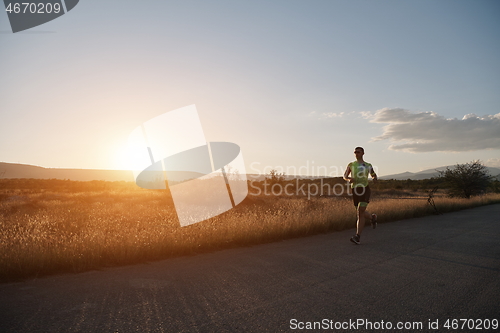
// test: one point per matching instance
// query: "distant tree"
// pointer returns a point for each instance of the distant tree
(275, 177)
(495, 185)
(466, 180)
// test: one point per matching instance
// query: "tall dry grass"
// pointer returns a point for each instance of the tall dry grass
(44, 232)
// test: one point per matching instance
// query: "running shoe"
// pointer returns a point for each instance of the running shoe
(374, 221)
(355, 239)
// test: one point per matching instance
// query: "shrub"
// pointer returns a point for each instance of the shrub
(466, 180)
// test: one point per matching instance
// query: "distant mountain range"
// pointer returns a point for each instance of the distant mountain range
(429, 173)
(15, 170)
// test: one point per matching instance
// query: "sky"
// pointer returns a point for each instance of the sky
(296, 84)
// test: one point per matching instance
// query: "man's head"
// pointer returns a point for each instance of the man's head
(359, 151)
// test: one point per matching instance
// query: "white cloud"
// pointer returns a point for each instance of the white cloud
(367, 115)
(332, 115)
(493, 162)
(429, 131)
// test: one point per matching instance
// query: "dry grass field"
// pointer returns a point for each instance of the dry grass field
(47, 231)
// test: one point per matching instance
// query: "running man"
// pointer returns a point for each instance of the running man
(359, 171)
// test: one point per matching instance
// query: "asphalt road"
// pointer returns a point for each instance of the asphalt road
(431, 268)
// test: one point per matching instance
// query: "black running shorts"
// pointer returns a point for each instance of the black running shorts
(361, 196)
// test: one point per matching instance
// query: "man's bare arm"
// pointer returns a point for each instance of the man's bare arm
(346, 174)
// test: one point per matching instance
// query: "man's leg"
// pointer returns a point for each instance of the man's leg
(372, 218)
(361, 218)
(360, 204)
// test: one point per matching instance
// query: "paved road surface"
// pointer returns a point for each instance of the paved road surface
(430, 268)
